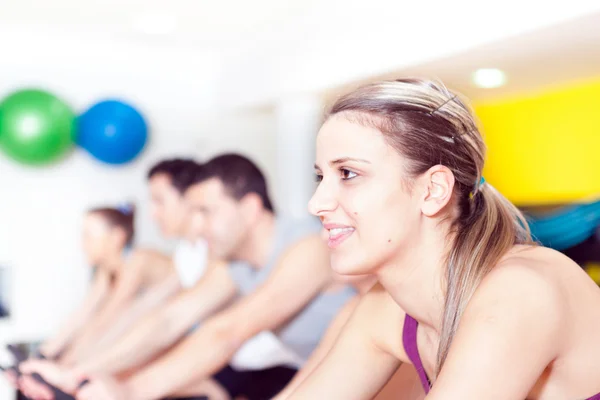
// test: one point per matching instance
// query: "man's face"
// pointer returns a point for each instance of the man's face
(217, 217)
(168, 209)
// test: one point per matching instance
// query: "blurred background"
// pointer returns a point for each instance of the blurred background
(254, 77)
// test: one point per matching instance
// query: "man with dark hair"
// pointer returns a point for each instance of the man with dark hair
(239, 176)
(280, 269)
(167, 181)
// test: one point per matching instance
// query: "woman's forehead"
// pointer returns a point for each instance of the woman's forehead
(340, 137)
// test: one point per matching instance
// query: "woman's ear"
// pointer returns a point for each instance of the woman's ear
(439, 185)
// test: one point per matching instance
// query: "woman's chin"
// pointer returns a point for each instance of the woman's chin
(348, 266)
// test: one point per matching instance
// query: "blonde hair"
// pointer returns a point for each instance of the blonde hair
(429, 125)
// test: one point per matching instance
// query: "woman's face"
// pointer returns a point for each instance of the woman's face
(99, 239)
(367, 211)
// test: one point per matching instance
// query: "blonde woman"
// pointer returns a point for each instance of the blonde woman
(464, 294)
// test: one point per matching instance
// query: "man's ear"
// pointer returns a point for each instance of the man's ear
(251, 205)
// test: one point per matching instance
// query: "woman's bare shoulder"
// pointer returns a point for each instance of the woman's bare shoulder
(384, 318)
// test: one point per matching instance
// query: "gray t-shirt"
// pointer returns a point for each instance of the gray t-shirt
(303, 332)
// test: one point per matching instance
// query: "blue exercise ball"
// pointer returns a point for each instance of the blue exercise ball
(112, 131)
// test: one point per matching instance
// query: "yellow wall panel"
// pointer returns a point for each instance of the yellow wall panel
(544, 148)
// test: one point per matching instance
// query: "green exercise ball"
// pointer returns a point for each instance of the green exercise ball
(35, 127)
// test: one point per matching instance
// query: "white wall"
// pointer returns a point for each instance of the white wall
(251, 132)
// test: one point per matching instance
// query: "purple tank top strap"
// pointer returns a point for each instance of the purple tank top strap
(409, 340)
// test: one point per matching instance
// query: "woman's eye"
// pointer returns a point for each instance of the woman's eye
(347, 174)
(318, 178)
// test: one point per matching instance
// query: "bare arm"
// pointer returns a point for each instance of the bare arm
(334, 330)
(149, 301)
(128, 284)
(52, 347)
(166, 326)
(359, 364)
(299, 276)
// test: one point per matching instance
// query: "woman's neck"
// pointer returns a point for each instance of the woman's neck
(415, 277)
(112, 263)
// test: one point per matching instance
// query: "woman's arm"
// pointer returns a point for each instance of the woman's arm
(162, 328)
(129, 283)
(326, 343)
(78, 319)
(359, 364)
(150, 301)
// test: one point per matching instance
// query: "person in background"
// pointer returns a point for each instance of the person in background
(120, 273)
(126, 271)
(183, 270)
(173, 320)
(279, 274)
(167, 179)
(178, 272)
(107, 238)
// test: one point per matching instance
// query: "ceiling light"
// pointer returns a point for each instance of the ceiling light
(489, 78)
(155, 23)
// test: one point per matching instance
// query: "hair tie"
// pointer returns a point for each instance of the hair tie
(477, 188)
(125, 208)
